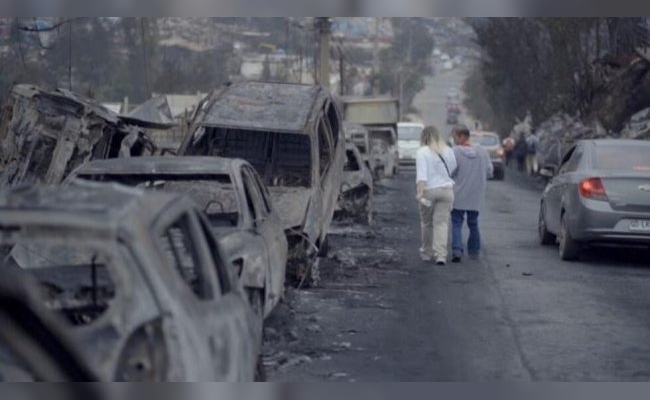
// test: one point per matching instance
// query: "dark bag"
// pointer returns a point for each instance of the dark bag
(444, 163)
(531, 146)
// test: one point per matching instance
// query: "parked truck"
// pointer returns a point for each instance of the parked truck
(380, 116)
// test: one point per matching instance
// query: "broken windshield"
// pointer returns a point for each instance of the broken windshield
(214, 194)
(281, 159)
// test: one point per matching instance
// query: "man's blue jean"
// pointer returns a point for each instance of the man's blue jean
(474, 242)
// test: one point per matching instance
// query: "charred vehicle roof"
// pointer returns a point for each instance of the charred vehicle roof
(161, 165)
(101, 207)
(261, 106)
(45, 134)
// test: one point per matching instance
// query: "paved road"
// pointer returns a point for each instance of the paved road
(432, 100)
(518, 313)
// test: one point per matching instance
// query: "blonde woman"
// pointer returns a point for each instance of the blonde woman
(435, 165)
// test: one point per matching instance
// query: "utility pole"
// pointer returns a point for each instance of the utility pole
(375, 59)
(324, 29)
(341, 71)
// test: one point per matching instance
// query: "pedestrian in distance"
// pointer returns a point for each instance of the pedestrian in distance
(521, 151)
(435, 164)
(532, 163)
(509, 149)
(474, 168)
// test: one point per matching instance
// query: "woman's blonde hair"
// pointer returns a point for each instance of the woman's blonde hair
(431, 138)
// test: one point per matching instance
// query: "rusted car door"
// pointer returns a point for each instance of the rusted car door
(212, 313)
(270, 230)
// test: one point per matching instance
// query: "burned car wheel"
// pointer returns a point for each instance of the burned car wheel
(144, 357)
(304, 273)
(260, 370)
(324, 248)
(256, 300)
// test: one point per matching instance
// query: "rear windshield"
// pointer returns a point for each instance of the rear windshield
(214, 194)
(485, 140)
(623, 158)
(410, 132)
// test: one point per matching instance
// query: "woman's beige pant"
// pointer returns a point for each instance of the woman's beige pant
(435, 222)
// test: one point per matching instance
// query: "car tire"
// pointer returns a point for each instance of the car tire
(546, 238)
(260, 370)
(256, 301)
(569, 248)
(324, 248)
(304, 273)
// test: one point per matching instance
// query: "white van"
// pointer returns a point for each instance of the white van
(408, 141)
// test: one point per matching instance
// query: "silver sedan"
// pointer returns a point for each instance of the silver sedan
(600, 195)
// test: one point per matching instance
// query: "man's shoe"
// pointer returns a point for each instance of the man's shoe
(425, 256)
(441, 263)
(456, 259)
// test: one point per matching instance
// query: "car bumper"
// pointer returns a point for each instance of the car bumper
(596, 221)
(407, 161)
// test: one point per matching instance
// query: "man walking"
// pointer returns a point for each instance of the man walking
(532, 143)
(474, 168)
(509, 149)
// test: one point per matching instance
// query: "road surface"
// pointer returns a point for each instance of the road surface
(518, 313)
(432, 101)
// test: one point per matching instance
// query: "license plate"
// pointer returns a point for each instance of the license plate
(640, 226)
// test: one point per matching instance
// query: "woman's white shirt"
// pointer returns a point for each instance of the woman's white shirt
(431, 169)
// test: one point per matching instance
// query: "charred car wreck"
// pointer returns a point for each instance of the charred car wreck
(44, 135)
(292, 135)
(356, 190)
(138, 277)
(237, 205)
(360, 137)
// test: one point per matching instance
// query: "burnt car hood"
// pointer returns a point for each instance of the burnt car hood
(291, 204)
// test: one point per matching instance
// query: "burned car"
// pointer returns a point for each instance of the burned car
(357, 187)
(45, 134)
(384, 147)
(237, 205)
(291, 134)
(359, 135)
(139, 278)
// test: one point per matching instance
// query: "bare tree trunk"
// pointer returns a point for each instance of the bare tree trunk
(623, 97)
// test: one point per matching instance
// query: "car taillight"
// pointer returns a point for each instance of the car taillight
(593, 189)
